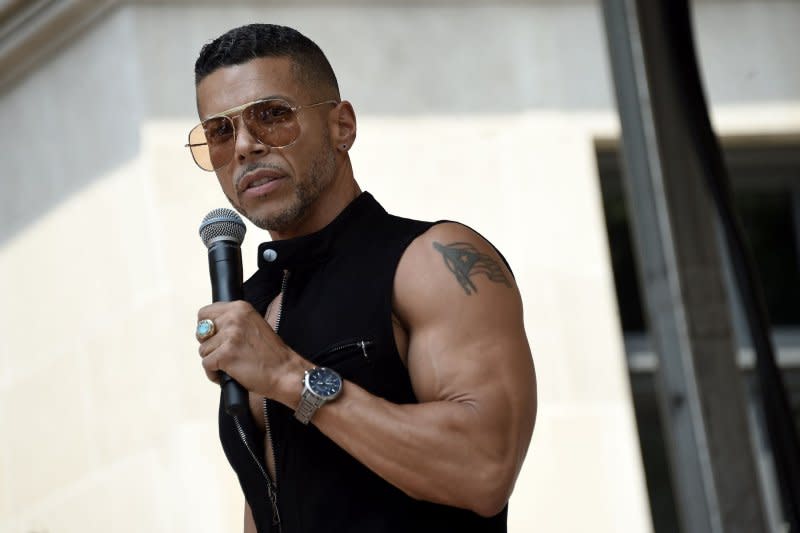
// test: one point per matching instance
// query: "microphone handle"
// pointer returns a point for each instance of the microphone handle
(225, 266)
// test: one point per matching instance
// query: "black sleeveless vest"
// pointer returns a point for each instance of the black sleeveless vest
(336, 312)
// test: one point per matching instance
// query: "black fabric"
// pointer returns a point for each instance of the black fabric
(336, 312)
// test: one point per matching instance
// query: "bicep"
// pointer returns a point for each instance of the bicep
(467, 341)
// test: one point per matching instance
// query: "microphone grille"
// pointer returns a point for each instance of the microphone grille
(222, 225)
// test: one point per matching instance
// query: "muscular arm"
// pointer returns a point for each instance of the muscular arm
(471, 369)
(469, 363)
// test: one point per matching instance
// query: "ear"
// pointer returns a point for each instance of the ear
(343, 126)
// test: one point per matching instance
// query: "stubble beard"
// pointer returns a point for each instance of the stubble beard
(306, 192)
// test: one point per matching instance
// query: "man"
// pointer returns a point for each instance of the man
(398, 393)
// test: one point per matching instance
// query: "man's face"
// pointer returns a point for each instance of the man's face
(273, 187)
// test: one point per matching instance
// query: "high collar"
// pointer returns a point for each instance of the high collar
(315, 247)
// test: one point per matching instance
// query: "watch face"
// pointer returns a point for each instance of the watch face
(324, 382)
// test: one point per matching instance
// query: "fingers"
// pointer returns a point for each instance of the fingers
(209, 345)
(209, 360)
(211, 369)
(209, 321)
(240, 340)
(215, 310)
(218, 324)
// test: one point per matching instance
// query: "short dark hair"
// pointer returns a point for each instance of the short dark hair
(252, 41)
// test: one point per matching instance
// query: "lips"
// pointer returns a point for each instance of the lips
(258, 178)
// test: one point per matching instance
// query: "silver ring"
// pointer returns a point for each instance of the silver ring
(205, 329)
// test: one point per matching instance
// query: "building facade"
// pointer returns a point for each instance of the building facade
(493, 114)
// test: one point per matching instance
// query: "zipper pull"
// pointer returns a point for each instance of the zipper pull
(364, 349)
(273, 498)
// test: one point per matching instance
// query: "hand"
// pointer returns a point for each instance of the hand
(245, 346)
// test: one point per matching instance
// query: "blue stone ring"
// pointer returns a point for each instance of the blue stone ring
(205, 329)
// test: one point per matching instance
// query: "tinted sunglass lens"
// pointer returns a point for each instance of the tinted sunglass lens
(273, 122)
(199, 148)
(220, 138)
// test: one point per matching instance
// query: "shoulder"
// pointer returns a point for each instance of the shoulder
(458, 247)
(447, 263)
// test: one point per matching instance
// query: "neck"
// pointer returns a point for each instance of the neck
(342, 190)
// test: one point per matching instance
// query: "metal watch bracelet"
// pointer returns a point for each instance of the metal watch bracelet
(309, 403)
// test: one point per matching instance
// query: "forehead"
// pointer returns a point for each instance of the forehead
(231, 86)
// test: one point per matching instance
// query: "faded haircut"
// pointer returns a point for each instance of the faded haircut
(240, 45)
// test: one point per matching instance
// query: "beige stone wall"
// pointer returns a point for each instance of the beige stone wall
(532, 189)
(107, 422)
(120, 432)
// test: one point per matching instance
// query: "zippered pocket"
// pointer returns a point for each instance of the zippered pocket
(346, 357)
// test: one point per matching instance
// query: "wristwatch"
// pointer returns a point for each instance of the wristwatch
(320, 385)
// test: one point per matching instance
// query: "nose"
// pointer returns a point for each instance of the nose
(247, 145)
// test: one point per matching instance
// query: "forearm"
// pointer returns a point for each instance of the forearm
(459, 452)
(462, 445)
(447, 452)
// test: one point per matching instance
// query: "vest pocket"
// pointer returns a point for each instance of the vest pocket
(346, 357)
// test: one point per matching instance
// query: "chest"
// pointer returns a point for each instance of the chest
(346, 356)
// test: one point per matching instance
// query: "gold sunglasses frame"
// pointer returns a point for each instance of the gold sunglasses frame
(237, 111)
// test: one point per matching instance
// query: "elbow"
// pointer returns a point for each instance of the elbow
(493, 491)
(489, 506)
(486, 494)
(489, 509)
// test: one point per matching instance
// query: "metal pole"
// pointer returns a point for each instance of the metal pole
(700, 391)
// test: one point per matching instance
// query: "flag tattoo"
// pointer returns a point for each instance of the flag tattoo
(464, 260)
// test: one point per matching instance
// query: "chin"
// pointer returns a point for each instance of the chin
(279, 218)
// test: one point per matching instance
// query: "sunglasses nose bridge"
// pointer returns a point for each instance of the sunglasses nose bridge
(245, 140)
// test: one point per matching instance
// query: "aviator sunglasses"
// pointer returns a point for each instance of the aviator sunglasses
(272, 121)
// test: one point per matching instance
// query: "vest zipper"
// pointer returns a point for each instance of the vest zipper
(273, 489)
(272, 486)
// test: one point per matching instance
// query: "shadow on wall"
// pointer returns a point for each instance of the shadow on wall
(78, 116)
(71, 121)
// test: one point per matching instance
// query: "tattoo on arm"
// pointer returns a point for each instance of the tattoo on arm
(464, 260)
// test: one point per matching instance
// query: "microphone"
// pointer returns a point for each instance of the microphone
(222, 231)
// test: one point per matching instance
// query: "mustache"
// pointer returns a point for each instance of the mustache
(250, 167)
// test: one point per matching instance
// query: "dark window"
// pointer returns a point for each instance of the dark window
(766, 186)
